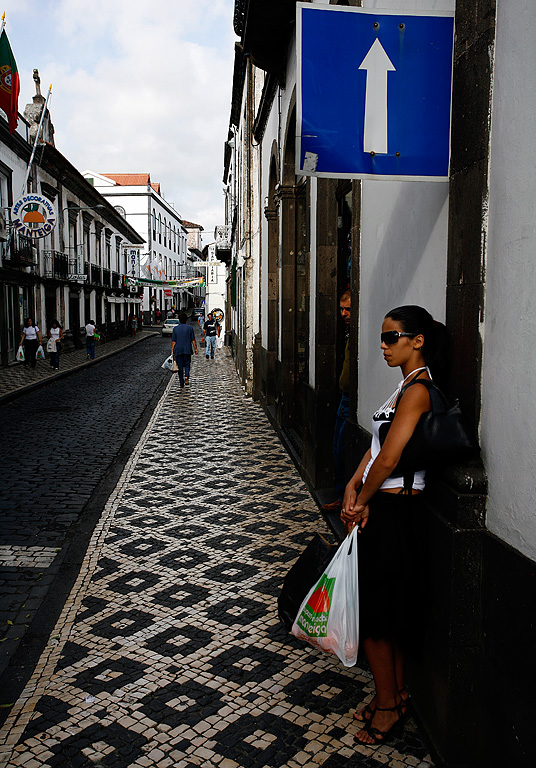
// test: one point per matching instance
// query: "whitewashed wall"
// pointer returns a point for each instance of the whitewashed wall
(271, 134)
(403, 255)
(509, 405)
(403, 261)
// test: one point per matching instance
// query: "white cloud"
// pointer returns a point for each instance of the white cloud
(137, 87)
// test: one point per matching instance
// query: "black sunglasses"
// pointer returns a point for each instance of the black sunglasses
(391, 337)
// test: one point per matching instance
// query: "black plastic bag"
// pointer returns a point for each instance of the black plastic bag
(307, 569)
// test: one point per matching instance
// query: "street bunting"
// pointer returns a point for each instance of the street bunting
(373, 93)
(147, 283)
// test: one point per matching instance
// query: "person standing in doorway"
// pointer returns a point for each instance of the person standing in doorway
(134, 325)
(30, 339)
(339, 434)
(182, 340)
(55, 332)
(384, 497)
(211, 330)
(90, 340)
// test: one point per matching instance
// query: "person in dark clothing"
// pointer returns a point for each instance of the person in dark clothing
(30, 340)
(384, 498)
(211, 330)
(182, 339)
(339, 434)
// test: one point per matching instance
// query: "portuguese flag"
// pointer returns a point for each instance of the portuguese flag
(9, 83)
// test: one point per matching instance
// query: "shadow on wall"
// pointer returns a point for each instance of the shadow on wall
(404, 260)
(412, 221)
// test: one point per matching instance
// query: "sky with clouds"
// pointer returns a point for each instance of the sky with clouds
(137, 87)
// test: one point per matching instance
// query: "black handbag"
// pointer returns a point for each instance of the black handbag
(305, 572)
(440, 436)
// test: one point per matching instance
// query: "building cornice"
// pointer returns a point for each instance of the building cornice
(56, 165)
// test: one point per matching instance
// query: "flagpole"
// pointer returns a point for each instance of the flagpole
(24, 186)
(24, 189)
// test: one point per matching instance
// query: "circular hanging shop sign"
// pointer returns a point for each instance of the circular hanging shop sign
(33, 216)
(217, 314)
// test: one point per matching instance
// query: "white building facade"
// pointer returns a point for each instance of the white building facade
(75, 273)
(166, 258)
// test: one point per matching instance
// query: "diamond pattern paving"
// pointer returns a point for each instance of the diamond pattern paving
(169, 651)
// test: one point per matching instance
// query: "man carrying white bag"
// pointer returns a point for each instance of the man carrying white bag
(329, 616)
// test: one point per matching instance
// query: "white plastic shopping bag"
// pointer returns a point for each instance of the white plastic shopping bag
(168, 363)
(20, 354)
(329, 616)
(51, 345)
(40, 354)
(219, 343)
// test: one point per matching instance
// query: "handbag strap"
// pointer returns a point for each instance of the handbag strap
(438, 404)
(438, 401)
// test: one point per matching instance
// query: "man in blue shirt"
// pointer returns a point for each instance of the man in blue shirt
(182, 339)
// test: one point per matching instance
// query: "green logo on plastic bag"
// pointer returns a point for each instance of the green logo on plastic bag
(313, 619)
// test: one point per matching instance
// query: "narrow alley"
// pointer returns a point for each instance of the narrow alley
(169, 651)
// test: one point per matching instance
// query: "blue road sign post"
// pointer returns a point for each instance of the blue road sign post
(373, 93)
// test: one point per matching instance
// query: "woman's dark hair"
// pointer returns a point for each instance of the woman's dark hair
(57, 323)
(436, 348)
(27, 322)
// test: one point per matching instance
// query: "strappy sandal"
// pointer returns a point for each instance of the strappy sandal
(380, 737)
(367, 712)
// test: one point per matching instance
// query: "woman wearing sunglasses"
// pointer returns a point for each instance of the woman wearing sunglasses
(384, 499)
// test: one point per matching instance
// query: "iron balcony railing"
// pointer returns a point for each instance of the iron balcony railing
(22, 251)
(56, 265)
(95, 274)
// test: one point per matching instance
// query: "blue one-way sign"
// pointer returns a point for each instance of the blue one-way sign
(373, 93)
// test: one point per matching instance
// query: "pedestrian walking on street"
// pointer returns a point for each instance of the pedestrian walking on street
(384, 497)
(134, 325)
(182, 340)
(30, 340)
(211, 330)
(55, 332)
(90, 340)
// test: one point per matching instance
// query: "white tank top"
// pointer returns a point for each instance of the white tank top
(384, 416)
(31, 332)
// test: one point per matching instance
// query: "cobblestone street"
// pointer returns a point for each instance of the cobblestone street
(168, 651)
(64, 447)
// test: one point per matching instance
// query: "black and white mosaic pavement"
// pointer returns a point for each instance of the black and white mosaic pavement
(169, 651)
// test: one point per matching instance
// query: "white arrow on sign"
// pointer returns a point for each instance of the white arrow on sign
(378, 64)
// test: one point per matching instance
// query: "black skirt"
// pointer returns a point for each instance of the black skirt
(392, 569)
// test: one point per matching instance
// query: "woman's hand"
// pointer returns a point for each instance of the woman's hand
(359, 515)
(348, 502)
